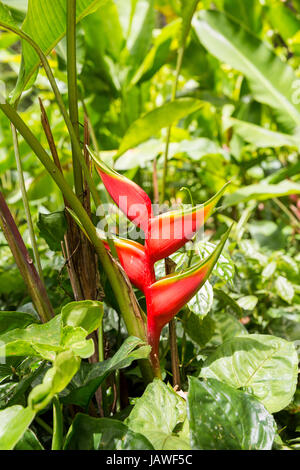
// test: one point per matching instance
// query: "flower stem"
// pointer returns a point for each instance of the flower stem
(173, 97)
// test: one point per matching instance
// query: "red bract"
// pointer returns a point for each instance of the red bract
(134, 259)
(164, 234)
(128, 196)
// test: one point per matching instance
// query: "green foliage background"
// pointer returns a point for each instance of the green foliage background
(236, 117)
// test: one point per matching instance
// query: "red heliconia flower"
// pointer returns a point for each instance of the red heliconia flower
(164, 234)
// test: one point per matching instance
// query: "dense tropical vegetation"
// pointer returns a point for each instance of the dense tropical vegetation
(111, 339)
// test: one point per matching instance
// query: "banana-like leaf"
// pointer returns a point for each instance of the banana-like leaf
(45, 23)
(262, 137)
(272, 81)
(151, 123)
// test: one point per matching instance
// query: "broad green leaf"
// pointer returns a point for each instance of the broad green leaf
(140, 29)
(11, 320)
(55, 380)
(90, 376)
(87, 314)
(45, 22)
(222, 418)
(226, 327)
(13, 423)
(5, 15)
(29, 441)
(158, 53)
(156, 415)
(265, 365)
(271, 80)
(200, 329)
(261, 192)
(284, 289)
(53, 228)
(65, 331)
(269, 270)
(16, 382)
(151, 123)
(202, 302)
(262, 137)
(87, 433)
(247, 12)
(26, 341)
(248, 302)
(227, 300)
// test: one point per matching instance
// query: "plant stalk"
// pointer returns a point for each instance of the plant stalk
(25, 264)
(173, 97)
(26, 203)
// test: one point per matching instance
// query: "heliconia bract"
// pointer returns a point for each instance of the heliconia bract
(164, 234)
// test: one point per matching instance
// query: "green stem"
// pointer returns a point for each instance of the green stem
(73, 137)
(173, 97)
(123, 292)
(73, 91)
(26, 203)
(57, 437)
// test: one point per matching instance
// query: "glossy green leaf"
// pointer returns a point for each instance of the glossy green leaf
(224, 267)
(202, 302)
(200, 329)
(261, 192)
(13, 423)
(262, 137)
(271, 80)
(29, 441)
(139, 33)
(11, 320)
(222, 418)
(45, 22)
(53, 228)
(87, 433)
(55, 380)
(65, 331)
(226, 327)
(18, 378)
(284, 289)
(247, 302)
(265, 365)
(151, 123)
(87, 314)
(158, 53)
(90, 376)
(156, 415)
